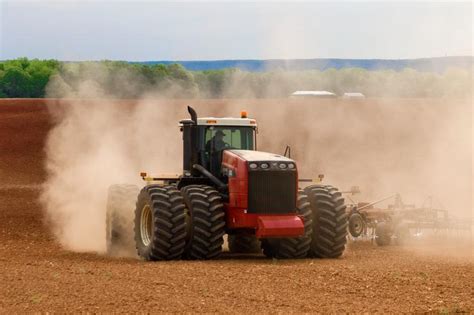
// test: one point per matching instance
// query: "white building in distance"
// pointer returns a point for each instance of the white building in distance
(353, 95)
(308, 94)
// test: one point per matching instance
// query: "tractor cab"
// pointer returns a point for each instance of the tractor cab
(206, 138)
(227, 186)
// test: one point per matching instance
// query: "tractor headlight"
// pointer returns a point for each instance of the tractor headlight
(291, 166)
(264, 166)
(282, 166)
(253, 166)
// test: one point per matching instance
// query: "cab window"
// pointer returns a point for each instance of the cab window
(219, 138)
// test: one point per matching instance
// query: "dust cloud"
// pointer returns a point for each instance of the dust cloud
(419, 148)
(415, 147)
(97, 142)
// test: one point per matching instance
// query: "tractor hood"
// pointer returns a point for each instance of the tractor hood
(259, 156)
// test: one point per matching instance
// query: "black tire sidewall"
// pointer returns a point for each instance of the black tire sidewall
(356, 218)
(199, 233)
(332, 195)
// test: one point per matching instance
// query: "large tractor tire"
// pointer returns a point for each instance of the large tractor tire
(296, 247)
(121, 201)
(206, 222)
(244, 244)
(160, 226)
(329, 221)
(356, 224)
(383, 234)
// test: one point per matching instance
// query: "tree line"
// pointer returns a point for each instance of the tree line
(51, 78)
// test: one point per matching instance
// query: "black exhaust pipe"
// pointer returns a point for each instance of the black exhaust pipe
(193, 114)
(220, 185)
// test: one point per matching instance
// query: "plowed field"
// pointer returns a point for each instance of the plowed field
(36, 274)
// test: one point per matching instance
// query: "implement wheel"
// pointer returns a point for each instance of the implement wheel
(356, 224)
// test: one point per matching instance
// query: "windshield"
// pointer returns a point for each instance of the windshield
(228, 137)
(218, 138)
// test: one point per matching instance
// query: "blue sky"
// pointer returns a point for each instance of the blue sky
(199, 30)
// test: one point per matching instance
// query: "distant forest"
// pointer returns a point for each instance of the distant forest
(40, 78)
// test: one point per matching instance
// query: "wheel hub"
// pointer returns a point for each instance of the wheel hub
(146, 225)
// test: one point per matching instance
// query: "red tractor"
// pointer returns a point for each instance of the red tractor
(227, 186)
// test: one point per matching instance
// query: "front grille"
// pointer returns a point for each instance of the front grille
(272, 191)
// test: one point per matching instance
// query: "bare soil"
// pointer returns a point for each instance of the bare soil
(37, 275)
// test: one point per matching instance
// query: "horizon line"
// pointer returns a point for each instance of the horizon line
(270, 59)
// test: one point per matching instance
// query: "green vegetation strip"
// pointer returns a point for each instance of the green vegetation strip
(24, 78)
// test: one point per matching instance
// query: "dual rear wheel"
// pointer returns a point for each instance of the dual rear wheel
(160, 224)
(174, 224)
(167, 223)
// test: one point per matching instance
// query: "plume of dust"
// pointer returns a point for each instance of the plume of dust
(95, 143)
(416, 147)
